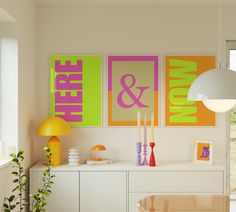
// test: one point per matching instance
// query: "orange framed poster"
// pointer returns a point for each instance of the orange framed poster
(180, 72)
(132, 87)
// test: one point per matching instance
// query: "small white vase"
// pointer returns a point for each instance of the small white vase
(73, 157)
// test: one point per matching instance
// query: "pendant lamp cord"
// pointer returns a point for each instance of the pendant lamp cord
(219, 37)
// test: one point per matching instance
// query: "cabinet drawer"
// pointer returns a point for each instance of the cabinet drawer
(177, 181)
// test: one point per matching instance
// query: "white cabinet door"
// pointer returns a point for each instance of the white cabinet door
(65, 191)
(177, 182)
(103, 192)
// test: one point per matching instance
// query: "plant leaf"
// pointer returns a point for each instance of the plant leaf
(12, 207)
(15, 181)
(5, 205)
(14, 173)
(15, 160)
(12, 155)
(11, 198)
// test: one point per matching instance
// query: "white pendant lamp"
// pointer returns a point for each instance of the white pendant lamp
(216, 88)
(219, 106)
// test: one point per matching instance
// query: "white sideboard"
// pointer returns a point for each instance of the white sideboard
(117, 187)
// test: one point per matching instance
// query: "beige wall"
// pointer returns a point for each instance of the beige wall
(130, 29)
(117, 29)
(24, 13)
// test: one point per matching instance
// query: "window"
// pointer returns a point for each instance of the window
(232, 59)
(8, 88)
(231, 52)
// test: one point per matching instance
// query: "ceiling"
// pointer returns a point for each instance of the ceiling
(136, 1)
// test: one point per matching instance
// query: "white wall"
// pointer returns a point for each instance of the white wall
(24, 14)
(117, 29)
(130, 29)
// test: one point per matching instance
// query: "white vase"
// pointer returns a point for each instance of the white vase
(73, 157)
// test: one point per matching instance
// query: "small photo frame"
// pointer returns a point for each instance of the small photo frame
(203, 152)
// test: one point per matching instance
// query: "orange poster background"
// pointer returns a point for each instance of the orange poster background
(131, 123)
(204, 116)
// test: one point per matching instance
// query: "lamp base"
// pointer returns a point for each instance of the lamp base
(96, 159)
(54, 145)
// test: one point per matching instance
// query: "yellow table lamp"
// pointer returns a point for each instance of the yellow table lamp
(54, 126)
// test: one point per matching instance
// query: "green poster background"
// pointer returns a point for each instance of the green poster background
(91, 88)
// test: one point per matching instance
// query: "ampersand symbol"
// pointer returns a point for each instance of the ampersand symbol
(127, 90)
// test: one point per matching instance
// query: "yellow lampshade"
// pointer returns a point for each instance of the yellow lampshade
(54, 126)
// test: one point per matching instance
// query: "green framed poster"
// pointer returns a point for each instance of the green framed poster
(75, 92)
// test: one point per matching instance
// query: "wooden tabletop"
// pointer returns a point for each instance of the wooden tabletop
(184, 203)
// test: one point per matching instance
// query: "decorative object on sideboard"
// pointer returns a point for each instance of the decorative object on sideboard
(73, 157)
(152, 161)
(94, 149)
(139, 143)
(203, 152)
(54, 126)
(145, 162)
(97, 160)
(139, 158)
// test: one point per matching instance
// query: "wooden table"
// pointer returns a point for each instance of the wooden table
(184, 203)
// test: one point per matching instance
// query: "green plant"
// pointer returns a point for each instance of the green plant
(38, 202)
(17, 199)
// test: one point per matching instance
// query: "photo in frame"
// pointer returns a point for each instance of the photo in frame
(203, 152)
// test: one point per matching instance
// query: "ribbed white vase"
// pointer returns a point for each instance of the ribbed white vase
(73, 157)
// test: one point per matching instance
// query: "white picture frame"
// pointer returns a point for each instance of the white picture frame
(203, 152)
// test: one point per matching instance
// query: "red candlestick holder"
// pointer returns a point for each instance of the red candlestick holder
(152, 161)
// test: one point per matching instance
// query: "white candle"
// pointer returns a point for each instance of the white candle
(152, 127)
(139, 126)
(145, 129)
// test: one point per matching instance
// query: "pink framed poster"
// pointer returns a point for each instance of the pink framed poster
(132, 87)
